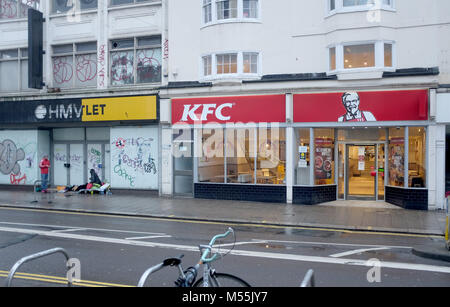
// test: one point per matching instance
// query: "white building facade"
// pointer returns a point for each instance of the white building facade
(286, 101)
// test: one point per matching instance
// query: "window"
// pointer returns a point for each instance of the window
(271, 156)
(207, 11)
(11, 9)
(136, 60)
(226, 9)
(226, 63)
(336, 6)
(396, 156)
(416, 157)
(211, 162)
(75, 65)
(207, 65)
(229, 10)
(13, 70)
(375, 55)
(250, 9)
(239, 64)
(120, 2)
(323, 156)
(302, 156)
(250, 63)
(240, 153)
(359, 56)
(64, 6)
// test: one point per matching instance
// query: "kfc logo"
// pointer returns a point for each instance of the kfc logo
(191, 112)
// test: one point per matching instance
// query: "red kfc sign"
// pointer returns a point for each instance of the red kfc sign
(238, 109)
(361, 106)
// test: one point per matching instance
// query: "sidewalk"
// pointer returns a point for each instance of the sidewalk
(343, 215)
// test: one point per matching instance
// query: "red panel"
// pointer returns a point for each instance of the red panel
(239, 109)
(373, 106)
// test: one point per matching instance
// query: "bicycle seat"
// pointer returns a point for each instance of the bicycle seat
(172, 261)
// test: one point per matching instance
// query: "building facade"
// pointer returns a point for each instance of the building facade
(283, 101)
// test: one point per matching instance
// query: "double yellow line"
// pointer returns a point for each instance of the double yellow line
(60, 280)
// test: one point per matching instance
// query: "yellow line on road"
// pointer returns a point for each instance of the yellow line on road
(186, 220)
(60, 280)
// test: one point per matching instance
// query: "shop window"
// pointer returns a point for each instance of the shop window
(240, 155)
(136, 60)
(11, 9)
(323, 156)
(396, 157)
(271, 156)
(211, 160)
(302, 157)
(75, 65)
(416, 157)
(14, 70)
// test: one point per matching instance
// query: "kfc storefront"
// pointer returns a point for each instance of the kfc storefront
(363, 145)
(238, 144)
(305, 148)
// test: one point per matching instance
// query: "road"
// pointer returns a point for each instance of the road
(116, 250)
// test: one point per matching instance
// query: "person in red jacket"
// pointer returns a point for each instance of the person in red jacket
(44, 165)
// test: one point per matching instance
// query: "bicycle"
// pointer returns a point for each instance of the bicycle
(188, 278)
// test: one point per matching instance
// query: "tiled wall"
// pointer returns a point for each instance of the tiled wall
(313, 195)
(262, 193)
(416, 199)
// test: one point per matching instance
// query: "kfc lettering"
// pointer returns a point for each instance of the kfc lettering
(239, 109)
(207, 109)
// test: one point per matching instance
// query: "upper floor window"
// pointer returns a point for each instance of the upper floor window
(233, 64)
(136, 60)
(75, 65)
(14, 70)
(371, 55)
(223, 10)
(335, 6)
(12, 9)
(64, 6)
(120, 2)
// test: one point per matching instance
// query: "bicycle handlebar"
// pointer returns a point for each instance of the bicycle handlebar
(204, 258)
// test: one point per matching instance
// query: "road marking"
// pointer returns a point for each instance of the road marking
(358, 251)
(70, 230)
(278, 256)
(338, 244)
(185, 220)
(60, 280)
(148, 237)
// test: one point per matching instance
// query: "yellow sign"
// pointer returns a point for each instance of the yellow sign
(119, 108)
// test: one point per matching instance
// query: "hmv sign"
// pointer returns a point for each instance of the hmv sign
(237, 109)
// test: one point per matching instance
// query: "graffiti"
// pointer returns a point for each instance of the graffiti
(86, 68)
(101, 66)
(62, 70)
(150, 166)
(8, 9)
(140, 141)
(149, 66)
(9, 156)
(122, 68)
(123, 173)
(166, 49)
(16, 179)
(95, 160)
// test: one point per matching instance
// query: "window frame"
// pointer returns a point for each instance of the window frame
(76, 5)
(36, 4)
(240, 74)
(73, 54)
(135, 50)
(22, 56)
(131, 3)
(239, 14)
(378, 5)
(379, 46)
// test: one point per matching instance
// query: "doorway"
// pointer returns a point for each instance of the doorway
(363, 171)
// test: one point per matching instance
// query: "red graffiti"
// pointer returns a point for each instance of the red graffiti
(8, 9)
(16, 179)
(101, 66)
(86, 68)
(62, 70)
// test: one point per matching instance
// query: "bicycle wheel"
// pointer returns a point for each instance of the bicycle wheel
(223, 280)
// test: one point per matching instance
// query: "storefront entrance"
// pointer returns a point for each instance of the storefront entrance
(361, 173)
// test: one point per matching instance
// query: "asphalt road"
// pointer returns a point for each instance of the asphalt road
(116, 250)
